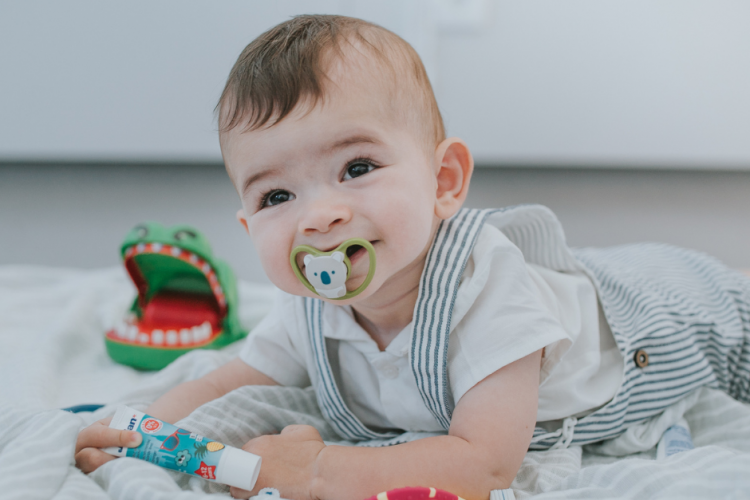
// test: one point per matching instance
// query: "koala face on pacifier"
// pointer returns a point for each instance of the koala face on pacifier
(326, 272)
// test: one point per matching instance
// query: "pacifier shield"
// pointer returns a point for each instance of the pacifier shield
(326, 273)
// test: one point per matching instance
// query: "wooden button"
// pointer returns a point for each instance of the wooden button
(641, 358)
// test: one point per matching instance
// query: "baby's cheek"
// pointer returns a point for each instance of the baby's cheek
(274, 257)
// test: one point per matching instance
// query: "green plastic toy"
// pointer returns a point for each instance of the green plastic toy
(187, 298)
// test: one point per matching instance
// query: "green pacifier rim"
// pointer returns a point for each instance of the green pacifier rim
(341, 248)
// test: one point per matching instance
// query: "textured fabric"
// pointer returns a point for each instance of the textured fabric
(583, 373)
(446, 262)
(686, 310)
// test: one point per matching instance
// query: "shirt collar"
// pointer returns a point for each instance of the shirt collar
(339, 323)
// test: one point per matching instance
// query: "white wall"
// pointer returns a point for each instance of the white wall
(635, 83)
(85, 79)
(621, 82)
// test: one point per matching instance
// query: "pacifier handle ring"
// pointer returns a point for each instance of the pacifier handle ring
(341, 248)
(297, 272)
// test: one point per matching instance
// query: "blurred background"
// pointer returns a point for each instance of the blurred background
(630, 119)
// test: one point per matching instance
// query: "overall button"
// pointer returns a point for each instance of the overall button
(389, 371)
(641, 358)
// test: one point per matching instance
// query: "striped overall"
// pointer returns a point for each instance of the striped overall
(681, 320)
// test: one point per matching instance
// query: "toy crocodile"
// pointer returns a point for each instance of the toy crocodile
(187, 298)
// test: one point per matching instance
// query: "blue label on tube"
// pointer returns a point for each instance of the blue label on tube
(168, 446)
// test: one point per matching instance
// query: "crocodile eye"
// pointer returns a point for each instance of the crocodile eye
(184, 234)
(141, 231)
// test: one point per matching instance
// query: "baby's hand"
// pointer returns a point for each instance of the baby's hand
(288, 461)
(98, 435)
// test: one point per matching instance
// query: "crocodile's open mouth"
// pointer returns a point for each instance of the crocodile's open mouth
(182, 305)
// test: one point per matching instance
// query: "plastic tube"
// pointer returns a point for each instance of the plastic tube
(674, 440)
(168, 446)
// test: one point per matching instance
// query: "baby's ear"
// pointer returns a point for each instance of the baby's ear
(338, 256)
(308, 258)
(454, 168)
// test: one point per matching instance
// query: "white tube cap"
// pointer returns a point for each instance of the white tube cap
(238, 468)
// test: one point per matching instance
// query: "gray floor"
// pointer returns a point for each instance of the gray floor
(76, 215)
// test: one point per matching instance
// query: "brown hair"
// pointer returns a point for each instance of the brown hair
(288, 63)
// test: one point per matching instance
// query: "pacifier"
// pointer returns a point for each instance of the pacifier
(326, 272)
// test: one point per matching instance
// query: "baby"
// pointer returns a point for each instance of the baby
(329, 130)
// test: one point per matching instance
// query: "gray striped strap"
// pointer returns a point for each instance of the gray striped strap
(533, 228)
(332, 405)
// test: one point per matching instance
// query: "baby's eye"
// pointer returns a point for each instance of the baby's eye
(277, 198)
(357, 169)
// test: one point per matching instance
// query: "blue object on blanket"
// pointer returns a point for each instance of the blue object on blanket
(80, 408)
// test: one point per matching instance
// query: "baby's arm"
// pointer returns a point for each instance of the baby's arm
(490, 432)
(180, 402)
(171, 407)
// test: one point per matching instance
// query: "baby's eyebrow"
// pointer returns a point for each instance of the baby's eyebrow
(256, 177)
(350, 141)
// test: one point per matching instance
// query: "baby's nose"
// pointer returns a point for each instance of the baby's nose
(323, 215)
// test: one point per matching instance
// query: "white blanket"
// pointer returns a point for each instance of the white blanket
(52, 323)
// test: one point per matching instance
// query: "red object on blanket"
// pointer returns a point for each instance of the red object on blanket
(415, 493)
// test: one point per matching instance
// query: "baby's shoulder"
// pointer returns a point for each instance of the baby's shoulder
(494, 251)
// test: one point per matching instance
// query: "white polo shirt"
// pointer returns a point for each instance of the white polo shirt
(505, 309)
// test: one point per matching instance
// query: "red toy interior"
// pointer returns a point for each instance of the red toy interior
(180, 310)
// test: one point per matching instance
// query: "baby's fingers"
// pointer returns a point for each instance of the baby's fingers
(90, 459)
(99, 435)
(239, 493)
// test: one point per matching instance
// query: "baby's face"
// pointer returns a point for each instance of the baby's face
(347, 168)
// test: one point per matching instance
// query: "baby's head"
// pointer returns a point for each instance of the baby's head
(330, 130)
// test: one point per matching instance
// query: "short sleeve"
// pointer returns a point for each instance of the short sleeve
(500, 316)
(270, 347)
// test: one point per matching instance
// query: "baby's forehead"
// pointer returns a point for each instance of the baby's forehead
(384, 75)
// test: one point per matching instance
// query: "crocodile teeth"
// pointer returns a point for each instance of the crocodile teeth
(202, 332)
(157, 337)
(186, 336)
(205, 268)
(176, 251)
(193, 258)
(156, 247)
(132, 333)
(172, 337)
(121, 329)
(197, 334)
(140, 248)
